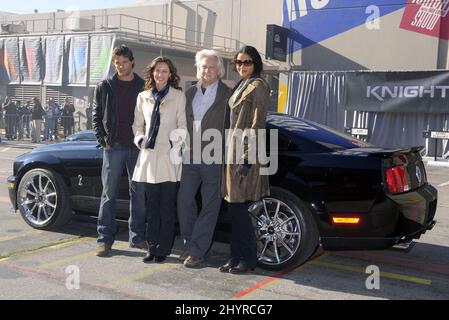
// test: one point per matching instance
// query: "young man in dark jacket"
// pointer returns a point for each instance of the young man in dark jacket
(113, 116)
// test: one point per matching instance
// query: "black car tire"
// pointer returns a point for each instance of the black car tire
(52, 187)
(295, 218)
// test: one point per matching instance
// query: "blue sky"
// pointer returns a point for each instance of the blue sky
(22, 6)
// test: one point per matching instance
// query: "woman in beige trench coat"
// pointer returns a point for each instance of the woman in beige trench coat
(159, 130)
(242, 183)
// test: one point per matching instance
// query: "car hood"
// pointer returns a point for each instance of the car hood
(66, 146)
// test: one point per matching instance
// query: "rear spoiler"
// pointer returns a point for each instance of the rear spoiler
(395, 152)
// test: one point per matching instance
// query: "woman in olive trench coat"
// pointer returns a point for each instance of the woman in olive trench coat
(242, 183)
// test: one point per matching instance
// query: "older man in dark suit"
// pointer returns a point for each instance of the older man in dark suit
(206, 112)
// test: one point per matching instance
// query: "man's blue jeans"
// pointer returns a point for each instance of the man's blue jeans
(115, 159)
(49, 128)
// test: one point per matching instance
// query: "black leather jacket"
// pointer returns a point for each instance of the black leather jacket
(105, 109)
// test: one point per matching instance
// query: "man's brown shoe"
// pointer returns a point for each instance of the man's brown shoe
(141, 245)
(193, 262)
(183, 256)
(103, 250)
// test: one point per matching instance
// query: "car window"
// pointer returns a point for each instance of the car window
(308, 132)
(336, 140)
(284, 142)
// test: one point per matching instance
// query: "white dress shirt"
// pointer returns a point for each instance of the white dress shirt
(203, 101)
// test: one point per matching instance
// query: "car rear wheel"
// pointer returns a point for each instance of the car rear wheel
(286, 232)
(42, 199)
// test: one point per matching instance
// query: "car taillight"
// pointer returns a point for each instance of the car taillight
(397, 180)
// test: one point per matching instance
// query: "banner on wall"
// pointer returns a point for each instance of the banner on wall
(3, 74)
(101, 47)
(333, 16)
(77, 60)
(31, 58)
(321, 97)
(54, 57)
(11, 60)
(430, 17)
(398, 91)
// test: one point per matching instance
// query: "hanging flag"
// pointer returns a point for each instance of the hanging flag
(54, 57)
(31, 58)
(77, 60)
(4, 79)
(11, 60)
(101, 47)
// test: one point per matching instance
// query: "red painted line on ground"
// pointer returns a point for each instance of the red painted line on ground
(4, 199)
(261, 284)
(276, 277)
(446, 184)
(397, 261)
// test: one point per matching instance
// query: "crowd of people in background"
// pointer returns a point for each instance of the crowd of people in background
(33, 120)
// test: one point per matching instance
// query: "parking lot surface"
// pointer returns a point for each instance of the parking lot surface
(47, 265)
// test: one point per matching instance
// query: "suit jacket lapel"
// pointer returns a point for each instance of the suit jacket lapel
(244, 92)
(219, 95)
(190, 95)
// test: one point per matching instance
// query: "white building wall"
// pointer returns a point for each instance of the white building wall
(232, 23)
(211, 23)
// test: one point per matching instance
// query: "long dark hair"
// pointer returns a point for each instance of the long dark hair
(173, 81)
(255, 56)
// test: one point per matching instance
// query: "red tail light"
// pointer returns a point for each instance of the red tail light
(397, 180)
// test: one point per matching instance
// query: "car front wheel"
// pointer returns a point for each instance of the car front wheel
(42, 199)
(286, 232)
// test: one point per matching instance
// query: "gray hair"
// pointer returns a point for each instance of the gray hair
(200, 55)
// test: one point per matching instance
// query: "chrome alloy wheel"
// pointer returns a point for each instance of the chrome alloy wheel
(38, 198)
(278, 231)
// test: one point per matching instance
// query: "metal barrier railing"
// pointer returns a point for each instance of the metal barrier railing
(142, 29)
(23, 127)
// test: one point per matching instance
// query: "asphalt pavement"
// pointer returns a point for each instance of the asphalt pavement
(62, 265)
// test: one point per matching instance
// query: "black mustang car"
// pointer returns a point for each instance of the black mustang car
(329, 189)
